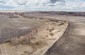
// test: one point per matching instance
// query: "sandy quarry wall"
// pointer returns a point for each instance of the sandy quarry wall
(37, 42)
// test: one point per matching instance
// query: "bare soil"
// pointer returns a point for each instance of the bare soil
(28, 36)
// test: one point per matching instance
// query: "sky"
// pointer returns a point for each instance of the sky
(43, 5)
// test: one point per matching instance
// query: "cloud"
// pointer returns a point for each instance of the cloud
(52, 5)
(54, 1)
(2, 2)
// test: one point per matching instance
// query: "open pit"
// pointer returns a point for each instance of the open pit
(24, 36)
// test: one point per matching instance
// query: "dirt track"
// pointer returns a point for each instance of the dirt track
(73, 41)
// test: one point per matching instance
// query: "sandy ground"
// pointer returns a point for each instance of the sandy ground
(35, 42)
(73, 41)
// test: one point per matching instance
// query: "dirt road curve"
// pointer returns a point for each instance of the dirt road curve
(73, 41)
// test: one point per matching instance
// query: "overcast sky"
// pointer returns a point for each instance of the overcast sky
(43, 5)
